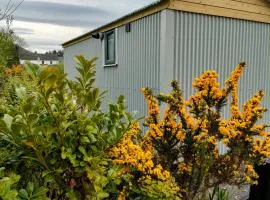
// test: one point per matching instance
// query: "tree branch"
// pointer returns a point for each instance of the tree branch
(9, 10)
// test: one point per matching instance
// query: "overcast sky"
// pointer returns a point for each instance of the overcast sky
(45, 24)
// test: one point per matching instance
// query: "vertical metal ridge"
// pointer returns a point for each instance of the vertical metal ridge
(204, 42)
(138, 65)
(201, 42)
(138, 62)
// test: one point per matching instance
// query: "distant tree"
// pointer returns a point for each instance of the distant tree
(8, 39)
(8, 50)
(60, 53)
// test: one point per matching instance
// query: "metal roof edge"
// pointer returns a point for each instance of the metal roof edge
(136, 12)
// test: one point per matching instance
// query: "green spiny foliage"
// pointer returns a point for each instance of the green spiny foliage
(219, 194)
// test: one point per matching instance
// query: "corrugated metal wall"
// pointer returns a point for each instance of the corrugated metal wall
(138, 63)
(138, 54)
(201, 42)
(89, 48)
(205, 42)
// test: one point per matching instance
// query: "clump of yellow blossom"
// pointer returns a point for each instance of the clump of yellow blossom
(253, 109)
(185, 167)
(155, 131)
(232, 82)
(232, 86)
(127, 152)
(183, 142)
(251, 176)
(207, 86)
(15, 70)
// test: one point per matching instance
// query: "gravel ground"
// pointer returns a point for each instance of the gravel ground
(236, 193)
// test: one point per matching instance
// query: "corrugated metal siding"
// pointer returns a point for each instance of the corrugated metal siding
(201, 43)
(89, 48)
(205, 42)
(138, 62)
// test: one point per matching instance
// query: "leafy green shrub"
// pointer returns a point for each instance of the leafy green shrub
(60, 134)
(32, 192)
(7, 185)
(8, 54)
(155, 189)
(56, 137)
(8, 189)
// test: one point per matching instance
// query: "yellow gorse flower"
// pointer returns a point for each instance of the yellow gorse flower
(127, 152)
(15, 70)
(182, 142)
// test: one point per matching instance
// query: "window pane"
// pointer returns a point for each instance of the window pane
(110, 48)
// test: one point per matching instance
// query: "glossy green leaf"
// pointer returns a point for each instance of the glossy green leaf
(30, 188)
(23, 194)
(2, 172)
(8, 120)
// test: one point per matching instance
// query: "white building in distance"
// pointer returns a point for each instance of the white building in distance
(37, 58)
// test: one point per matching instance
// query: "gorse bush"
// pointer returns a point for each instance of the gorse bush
(15, 70)
(62, 145)
(182, 146)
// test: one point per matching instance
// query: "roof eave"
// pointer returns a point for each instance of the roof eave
(143, 12)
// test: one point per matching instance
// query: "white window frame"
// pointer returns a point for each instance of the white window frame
(116, 49)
